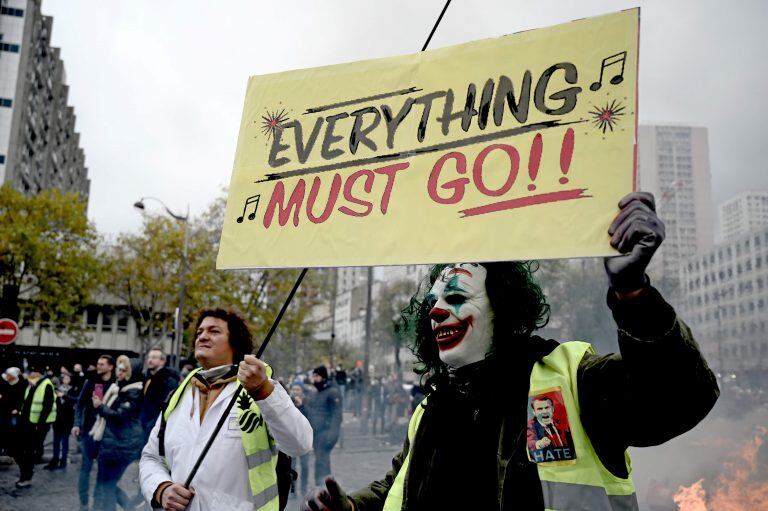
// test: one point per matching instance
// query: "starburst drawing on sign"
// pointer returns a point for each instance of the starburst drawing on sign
(607, 117)
(272, 122)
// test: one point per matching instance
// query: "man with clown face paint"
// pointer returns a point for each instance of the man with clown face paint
(471, 444)
(461, 314)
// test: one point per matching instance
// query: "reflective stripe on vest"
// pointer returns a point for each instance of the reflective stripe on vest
(583, 484)
(36, 407)
(571, 496)
(258, 445)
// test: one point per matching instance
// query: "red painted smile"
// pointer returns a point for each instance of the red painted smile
(450, 336)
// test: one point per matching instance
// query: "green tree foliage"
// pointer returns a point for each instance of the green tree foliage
(48, 262)
(146, 271)
(143, 272)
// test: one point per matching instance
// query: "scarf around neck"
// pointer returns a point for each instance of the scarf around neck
(210, 383)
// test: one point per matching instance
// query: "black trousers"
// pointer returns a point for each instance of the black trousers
(31, 439)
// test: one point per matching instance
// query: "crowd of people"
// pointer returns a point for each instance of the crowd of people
(108, 408)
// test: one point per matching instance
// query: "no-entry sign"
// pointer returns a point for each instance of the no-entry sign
(9, 330)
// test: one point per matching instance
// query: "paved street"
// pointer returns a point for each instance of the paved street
(362, 459)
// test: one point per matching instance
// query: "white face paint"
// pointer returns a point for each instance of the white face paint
(461, 314)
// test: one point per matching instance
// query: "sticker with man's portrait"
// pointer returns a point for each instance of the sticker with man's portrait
(549, 437)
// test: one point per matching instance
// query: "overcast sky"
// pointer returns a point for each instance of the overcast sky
(158, 87)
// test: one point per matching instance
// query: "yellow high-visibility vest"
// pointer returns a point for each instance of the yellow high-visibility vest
(37, 403)
(259, 446)
(577, 480)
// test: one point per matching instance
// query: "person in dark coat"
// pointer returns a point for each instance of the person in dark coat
(96, 383)
(66, 399)
(118, 427)
(12, 387)
(324, 414)
(378, 395)
(159, 382)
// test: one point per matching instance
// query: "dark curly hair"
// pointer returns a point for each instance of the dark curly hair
(240, 337)
(518, 303)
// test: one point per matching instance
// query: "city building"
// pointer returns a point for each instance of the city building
(673, 164)
(411, 272)
(726, 305)
(743, 213)
(39, 147)
(349, 277)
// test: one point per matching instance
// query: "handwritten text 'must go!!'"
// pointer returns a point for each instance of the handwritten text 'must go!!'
(499, 109)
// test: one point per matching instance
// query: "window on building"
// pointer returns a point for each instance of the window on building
(2, 158)
(12, 48)
(106, 319)
(122, 321)
(6, 102)
(10, 11)
(91, 317)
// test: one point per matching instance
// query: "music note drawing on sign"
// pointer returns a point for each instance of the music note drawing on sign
(250, 200)
(610, 61)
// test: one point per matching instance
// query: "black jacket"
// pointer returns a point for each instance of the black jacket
(85, 415)
(324, 413)
(157, 388)
(123, 437)
(65, 410)
(11, 397)
(658, 354)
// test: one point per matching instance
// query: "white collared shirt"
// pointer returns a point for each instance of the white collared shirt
(222, 480)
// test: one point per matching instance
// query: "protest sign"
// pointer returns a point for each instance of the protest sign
(517, 147)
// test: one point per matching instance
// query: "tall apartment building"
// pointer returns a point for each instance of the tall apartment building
(726, 304)
(39, 147)
(673, 164)
(743, 213)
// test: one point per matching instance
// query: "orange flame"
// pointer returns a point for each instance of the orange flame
(691, 498)
(740, 487)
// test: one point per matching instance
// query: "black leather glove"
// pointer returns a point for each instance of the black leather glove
(330, 498)
(636, 232)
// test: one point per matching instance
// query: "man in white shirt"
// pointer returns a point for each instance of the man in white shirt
(222, 482)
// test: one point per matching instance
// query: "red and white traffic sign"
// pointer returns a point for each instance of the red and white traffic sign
(9, 330)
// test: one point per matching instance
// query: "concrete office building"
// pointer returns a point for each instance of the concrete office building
(673, 164)
(39, 147)
(726, 304)
(743, 213)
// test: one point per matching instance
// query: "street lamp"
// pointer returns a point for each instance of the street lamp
(179, 319)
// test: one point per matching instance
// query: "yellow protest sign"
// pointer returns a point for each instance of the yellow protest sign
(511, 148)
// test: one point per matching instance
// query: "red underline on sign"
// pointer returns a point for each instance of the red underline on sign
(521, 202)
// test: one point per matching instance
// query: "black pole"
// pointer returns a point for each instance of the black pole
(232, 401)
(439, 18)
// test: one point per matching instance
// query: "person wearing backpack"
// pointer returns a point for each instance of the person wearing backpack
(240, 469)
